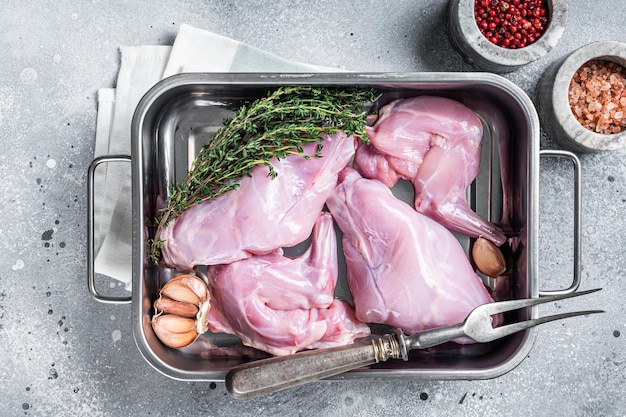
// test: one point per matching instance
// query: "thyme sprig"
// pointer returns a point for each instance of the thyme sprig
(274, 126)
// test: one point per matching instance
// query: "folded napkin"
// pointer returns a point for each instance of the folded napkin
(194, 50)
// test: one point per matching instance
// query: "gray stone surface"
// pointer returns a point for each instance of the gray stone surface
(63, 354)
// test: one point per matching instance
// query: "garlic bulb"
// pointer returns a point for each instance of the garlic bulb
(181, 311)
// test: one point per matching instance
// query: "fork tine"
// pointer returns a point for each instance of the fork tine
(502, 331)
(503, 306)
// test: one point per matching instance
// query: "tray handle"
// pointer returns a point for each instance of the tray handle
(91, 230)
(577, 217)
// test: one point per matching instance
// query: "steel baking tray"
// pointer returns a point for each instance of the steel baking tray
(177, 116)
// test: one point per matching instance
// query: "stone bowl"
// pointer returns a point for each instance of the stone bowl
(557, 118)
(480, 52)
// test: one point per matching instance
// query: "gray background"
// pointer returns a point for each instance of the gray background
(64, 354)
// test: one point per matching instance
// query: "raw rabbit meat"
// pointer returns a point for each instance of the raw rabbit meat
(434, 142)
(282, 305)
(262, 214)
(403, 268)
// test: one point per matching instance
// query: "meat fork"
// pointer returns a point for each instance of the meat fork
(277, 373)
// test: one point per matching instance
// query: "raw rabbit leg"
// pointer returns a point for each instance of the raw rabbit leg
(282, 305)
(404, 269)
(262, 214)
(434, 142)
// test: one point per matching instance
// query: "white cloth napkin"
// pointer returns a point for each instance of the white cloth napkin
(194, 50)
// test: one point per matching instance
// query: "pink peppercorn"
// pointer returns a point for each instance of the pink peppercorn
(499, 20)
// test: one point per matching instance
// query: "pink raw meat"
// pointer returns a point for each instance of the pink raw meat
(403, 268)
(282, 305)
(434, 142)
(262, 214)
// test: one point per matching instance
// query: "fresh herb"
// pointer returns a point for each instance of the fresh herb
(275, 126)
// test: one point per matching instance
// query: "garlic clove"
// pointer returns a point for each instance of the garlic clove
(167, 305)
(488, 258)
(186, 288)
(197, 285)
(174, 331)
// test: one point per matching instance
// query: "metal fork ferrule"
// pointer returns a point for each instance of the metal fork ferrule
(386, 347)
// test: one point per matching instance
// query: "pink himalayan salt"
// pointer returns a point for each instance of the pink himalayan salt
(597, 96)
